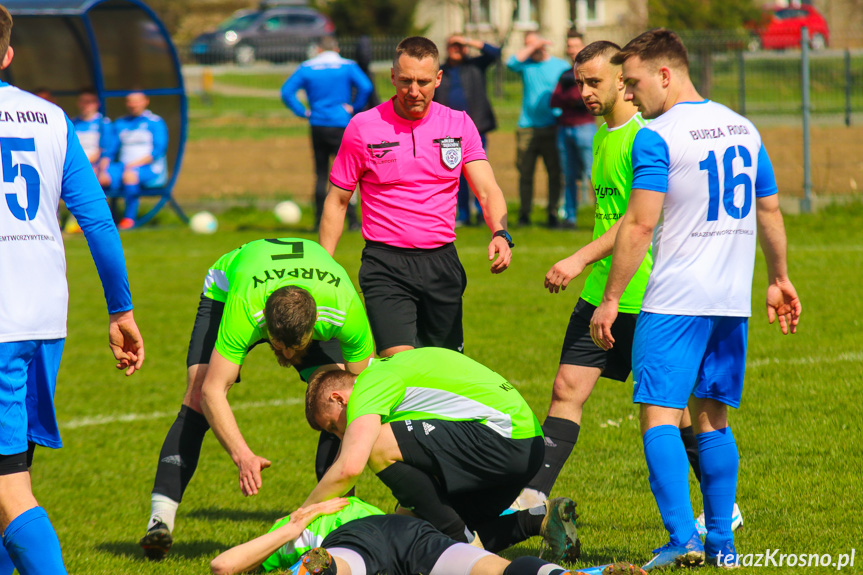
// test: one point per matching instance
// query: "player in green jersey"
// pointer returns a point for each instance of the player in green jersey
(357, 539)
(288, 292)
(581, 361)
(453, 440)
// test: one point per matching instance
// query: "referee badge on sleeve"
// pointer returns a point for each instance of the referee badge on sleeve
(450, 152)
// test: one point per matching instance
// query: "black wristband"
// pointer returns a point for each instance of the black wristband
(505, 235)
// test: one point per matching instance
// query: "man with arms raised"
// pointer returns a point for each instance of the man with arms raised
(406, 156)
(703, 179)
(287, 291)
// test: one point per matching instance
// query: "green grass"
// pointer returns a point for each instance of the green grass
(799, 430)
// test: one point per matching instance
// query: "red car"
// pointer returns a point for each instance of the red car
(780, 29)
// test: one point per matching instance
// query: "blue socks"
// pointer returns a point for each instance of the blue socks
(719, 463)
(132, 192)
(33, 545)
(669, 481)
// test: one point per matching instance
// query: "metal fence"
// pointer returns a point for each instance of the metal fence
(755, 83)
(765, 85)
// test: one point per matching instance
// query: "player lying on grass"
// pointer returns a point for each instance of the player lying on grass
(358, 539)
(453, 440)
(289, 292)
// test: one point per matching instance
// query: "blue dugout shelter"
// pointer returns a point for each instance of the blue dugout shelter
(114, 46)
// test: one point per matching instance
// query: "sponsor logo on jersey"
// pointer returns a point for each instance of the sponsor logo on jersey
(427, 427)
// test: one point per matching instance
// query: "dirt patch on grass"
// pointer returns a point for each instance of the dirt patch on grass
(282, 167)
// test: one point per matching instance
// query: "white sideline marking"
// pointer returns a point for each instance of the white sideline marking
(848, 356)
(105, 419)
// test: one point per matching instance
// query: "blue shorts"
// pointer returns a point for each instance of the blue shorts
(675, 356)
(28, 377)
(146, 176)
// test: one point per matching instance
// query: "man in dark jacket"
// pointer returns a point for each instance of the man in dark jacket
(463, 87)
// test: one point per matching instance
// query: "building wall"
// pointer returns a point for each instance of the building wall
(617, 20)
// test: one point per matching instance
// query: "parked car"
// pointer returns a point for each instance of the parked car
(278, 34)
(780, 29)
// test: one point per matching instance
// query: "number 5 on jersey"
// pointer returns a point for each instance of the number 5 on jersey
(12, 170)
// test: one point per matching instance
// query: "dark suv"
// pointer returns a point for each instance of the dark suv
(278, 35)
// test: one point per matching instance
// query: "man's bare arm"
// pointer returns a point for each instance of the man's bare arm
(221, 375)
(356, 448)
(249, 556)
(481, 179)
(333, 218)
(782, 299)
(564, 271)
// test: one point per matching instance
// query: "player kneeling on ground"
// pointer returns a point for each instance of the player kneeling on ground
(358, 539)
(453, 440)
(289, 292)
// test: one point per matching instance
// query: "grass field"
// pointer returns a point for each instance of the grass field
(799, 430)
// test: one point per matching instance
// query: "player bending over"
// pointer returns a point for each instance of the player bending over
(289, 292)
(357, 539)
(453, 440)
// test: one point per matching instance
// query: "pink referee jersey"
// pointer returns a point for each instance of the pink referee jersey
(408, 172)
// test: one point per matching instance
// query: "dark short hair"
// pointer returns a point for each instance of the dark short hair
(328, 44)
(320, 386)
(602, 48)
(5, 30)
(417, 47)
(290, 313)
(88, 90)
(659, 45)
(574, 33)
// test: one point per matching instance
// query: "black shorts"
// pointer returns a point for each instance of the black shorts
(413, 296)
(206, 331)
(481, 471)
(392, 544)
(579, 349)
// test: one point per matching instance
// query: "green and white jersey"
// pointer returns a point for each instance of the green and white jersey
(315, 533)
(245, 278)
(435, 383)
(612, 183)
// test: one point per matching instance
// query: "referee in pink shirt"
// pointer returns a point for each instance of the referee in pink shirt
(406, 155)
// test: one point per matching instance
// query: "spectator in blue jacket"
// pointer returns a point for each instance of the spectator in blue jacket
(138, 149)
(330, 83)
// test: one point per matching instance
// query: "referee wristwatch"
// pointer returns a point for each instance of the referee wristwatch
(505, 235)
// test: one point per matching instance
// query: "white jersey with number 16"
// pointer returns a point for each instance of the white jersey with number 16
(710, 163)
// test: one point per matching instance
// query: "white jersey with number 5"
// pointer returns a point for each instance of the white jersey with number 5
(710, 163)
(33, 140)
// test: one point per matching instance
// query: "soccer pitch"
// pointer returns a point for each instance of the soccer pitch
(799, 429)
